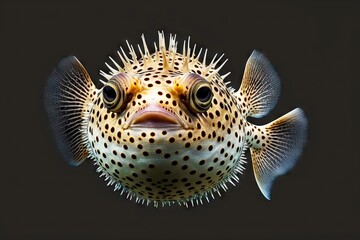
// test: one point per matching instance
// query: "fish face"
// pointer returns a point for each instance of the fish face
(165, 128)
(164, 134)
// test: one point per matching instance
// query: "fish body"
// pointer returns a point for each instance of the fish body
(165, 128)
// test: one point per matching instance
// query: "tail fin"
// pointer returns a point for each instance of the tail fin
(275, 147)
(68, 94)
(260, 86)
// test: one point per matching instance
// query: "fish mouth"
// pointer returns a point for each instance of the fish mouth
(155, 117)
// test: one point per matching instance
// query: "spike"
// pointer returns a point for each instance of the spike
(213, 59)
(105, 75)
(173, 60)
(165, 60)
(184, 49)
(161, 40)
(225, 75)
(125, 56)
(128, 45)
(217, 70)
(172, 43)
(116, 64)
(217, 61)
(156, 53)
(198, 56)
(211, 64)
(141, 52)
(188, 49)
(204, 59)
(172, 49)
(132, 52)
(142, 56)
(185, 67)
(193, 52)
(147, 53)
(134, 55)
(125, 60)
(113, 71)
(176, 45)
(103, 82)
(230, 181)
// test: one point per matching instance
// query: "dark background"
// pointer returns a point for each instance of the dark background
(314, 47)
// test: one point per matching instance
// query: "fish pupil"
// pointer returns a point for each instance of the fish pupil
(203, 94)
(109, 93)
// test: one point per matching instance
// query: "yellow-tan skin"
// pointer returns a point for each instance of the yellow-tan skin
(163, 164)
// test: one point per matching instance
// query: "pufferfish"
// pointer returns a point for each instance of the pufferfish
(164, 128)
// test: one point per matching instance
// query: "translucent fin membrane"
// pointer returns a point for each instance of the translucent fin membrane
(276, 151)
(260, 87)
(68, 94)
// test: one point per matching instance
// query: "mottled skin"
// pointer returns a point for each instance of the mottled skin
(169, 164)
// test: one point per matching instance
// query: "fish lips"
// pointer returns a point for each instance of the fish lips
(156, 117)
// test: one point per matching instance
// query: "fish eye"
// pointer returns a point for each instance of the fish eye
(109, 94)
(204, 94)
(113, 96)
(200, 95)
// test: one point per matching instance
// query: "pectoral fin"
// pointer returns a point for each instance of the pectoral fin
(68, 96)
(260, 86)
